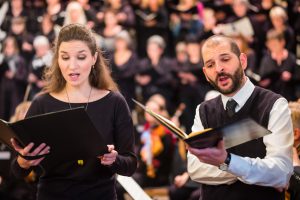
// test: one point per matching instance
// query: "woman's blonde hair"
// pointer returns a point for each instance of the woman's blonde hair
(99, 77)
(295, 113)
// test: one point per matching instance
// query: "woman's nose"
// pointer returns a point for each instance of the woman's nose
(73, 64)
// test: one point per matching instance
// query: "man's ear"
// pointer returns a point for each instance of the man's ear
(243, 60)
(204, 71)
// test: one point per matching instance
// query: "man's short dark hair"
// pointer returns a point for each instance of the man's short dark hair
(213, 41)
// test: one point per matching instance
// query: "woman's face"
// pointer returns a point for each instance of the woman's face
(9, 49)
(75, 61)
(121, 44)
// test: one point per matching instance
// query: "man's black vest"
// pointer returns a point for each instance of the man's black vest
(258, 107)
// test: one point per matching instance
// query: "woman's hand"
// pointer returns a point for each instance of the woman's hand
(180, 180)
(109, 158)
(40, 150)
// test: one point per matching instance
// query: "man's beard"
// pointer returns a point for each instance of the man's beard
(236, 78)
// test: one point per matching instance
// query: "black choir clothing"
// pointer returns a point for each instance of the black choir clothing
(261, 101)
(162, 80)
(191, 190)
(12, 188)
(24, 37)
(37, 68)
(192, 93)
(12, 90)
(124, 76)
(269, 68)
(92, 180)
(144, 30)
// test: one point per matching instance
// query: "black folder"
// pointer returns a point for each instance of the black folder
(70, 134)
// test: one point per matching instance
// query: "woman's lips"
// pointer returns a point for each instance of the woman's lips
(74, 76)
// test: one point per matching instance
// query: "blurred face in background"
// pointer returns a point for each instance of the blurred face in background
(239, 8)
(275, 45)
(110, 19)
(18, 28)
(121, 44)
(154, 50)
(155, 108)
(10, 47)
(17, 3)
(41, 50)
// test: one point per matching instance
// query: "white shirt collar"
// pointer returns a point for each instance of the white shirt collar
(241, 96)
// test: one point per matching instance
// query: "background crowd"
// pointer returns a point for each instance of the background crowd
(153, 50)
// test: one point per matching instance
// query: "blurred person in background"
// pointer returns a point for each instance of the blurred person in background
(41, 60)
(155, 71)
(14, 78)
(124, 66)
(278, 66)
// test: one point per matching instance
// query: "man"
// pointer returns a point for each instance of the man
(259, 169)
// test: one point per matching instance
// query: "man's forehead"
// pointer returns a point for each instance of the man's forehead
(210, 52)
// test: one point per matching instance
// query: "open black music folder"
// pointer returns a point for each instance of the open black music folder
(70, 134)
(233, 134)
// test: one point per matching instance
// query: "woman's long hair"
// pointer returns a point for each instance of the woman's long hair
(99, 77)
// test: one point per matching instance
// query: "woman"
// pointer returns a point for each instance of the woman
(13, 75)
(123, 66)
(80, 77)
(156, 150)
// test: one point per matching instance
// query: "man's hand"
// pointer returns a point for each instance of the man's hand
(213, 156)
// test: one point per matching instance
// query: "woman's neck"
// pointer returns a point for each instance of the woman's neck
(17, 11)
(77, 94)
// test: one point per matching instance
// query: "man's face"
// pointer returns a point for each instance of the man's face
(223, 69)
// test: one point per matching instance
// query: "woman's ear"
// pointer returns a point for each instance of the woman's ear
(95, 57)
(296, 134)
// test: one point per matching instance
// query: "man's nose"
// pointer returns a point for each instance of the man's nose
(219, 67)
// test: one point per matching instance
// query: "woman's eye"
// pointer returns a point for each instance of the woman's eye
(81, 57)
(64, 58)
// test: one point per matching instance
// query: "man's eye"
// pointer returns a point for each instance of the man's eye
(225, 59)
(209, 65)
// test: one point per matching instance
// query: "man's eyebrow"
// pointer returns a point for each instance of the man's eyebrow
(208, 61)
(224, 54)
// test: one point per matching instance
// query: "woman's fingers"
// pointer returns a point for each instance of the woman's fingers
(38, 149)
(109, 158)
(15, 145)
(110, 147)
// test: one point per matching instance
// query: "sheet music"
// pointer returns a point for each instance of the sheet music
(133, 189)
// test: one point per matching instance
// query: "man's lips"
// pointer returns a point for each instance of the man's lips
(223, 79)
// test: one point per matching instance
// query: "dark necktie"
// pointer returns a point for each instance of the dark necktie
(230, 107)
